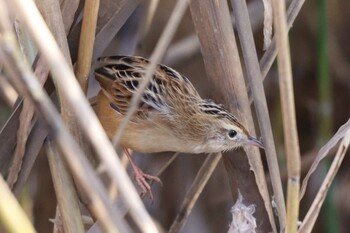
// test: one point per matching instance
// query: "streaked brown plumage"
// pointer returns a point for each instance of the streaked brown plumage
(171, 115)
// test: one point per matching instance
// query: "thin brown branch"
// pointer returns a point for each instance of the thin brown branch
(288, 111)
(254, 76)
(195, 190)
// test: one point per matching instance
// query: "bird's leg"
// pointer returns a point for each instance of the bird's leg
(141, 177)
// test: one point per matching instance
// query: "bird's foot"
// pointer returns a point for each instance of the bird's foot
(141, 179)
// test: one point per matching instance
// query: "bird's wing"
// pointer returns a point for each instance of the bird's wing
(120, 78)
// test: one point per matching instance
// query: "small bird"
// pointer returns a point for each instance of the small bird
(171, 115)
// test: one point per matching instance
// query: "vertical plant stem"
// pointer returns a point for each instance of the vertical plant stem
(212, 22)
(66, 195)
(288, 111)
(65, 192)
(86, 43)
(254, 76)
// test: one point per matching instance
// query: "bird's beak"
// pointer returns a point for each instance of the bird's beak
(254, 142)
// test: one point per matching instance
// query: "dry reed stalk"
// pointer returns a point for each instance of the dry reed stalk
(67, 197)
(213, 25)
(245, 34)
(80, 107)
(86, 43)
(288, 111)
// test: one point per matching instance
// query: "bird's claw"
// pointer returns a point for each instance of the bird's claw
(141, 179)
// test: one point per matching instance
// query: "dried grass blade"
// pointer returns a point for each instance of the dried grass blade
(323, 152)
(311, 216)
(24, 128)
(25, 120)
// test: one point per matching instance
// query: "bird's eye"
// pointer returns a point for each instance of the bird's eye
(231, 133)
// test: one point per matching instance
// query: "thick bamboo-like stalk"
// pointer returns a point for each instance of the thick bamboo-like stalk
(245, 34)
(86, 43)
(288, 111)
(213, 25)
(12, 216)
(78, 104)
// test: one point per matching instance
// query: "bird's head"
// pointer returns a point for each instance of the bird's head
(223, 130)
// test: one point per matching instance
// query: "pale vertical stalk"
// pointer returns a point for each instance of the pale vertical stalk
(289, 119)
(213, 25)
(66, 195)
(86, 42)
(67, 199)
(245, 34)
(80, 107)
